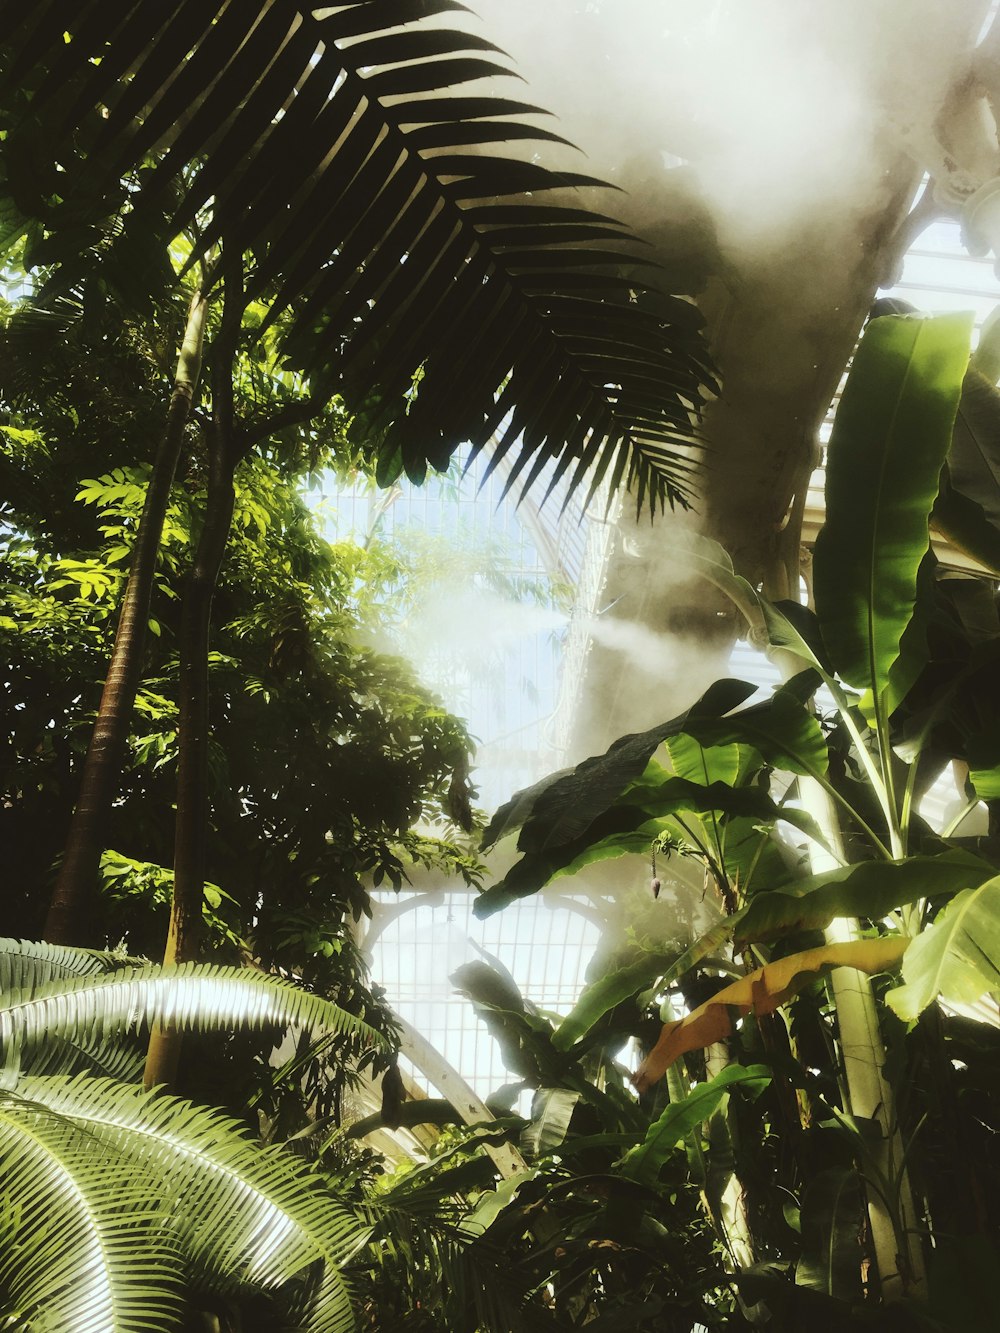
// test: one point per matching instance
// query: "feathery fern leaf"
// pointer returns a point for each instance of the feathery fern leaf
(122, 1060)
(90, 1250)
(187, 995)
(240, 1215)
(353, 152)
(26, 964)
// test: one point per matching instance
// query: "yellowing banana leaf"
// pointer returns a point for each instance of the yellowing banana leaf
(761, 992)
(956, 957)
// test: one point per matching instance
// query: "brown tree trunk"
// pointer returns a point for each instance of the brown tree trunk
(193, 731)
(71, 918)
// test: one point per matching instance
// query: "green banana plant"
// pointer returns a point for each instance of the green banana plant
(903, 688)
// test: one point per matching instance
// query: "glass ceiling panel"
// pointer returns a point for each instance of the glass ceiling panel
(544, 945)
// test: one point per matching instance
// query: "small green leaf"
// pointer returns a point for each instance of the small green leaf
(643, 1162)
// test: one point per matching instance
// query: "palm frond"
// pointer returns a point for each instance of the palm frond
(240, 1215)
(27, 964)
(123, 1060)
(186, 995)
(88, 1246)
(353, 152)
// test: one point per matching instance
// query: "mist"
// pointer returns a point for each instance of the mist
(782, 112)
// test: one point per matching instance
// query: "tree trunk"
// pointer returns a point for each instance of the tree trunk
(191, 828)
(71, 918)
(193, 732)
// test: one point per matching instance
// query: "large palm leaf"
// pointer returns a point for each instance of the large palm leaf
(239, 1215)
(107, 1191)
(185, 995)
(354, 151)
(25, 964)
(86, 1247)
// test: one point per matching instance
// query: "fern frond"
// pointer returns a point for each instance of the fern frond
(122, 1060)
(241, 1214)
(26, 964)
(88, 1246)
(186, 995)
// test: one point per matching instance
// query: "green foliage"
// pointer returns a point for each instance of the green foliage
(123, 1206)
(957, 957)
(321, 168)
(867, 889)
(324, 754)
(832, 1214)
(891, 437)
(681, 1118)
(720, 785)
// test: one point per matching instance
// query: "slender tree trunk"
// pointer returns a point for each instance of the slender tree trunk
(191, 828)
(71, 917)
(193, 732)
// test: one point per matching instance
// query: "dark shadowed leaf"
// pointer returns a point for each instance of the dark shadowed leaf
(389, 211)
(832, 1218)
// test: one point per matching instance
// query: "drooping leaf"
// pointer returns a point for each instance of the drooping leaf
(566, 808)
(831, 1218)
(643, 1162)
(565, 816)
(956, 957)
(869, 889)
(512, 814)
(625, 829)
(25, 964)
(890, 438)
(781, 728)
(90, 1247)
(187, 995)
(551, 1111)
(491, 1203)
(603, 995)
(388, 211)
(761, 992)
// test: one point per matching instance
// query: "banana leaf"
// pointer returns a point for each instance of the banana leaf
(890, 439)
(956, 957)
